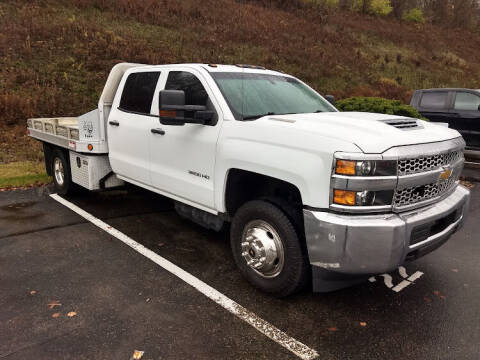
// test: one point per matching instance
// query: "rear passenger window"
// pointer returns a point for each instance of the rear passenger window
(467, 101)
(195, 93)
(138, 92)
(434, 100)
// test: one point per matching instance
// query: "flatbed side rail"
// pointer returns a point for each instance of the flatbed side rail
(63, 132)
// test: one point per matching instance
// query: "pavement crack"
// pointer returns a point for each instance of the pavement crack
(20, 233)
(3, 356)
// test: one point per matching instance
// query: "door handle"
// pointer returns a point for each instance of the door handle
(114, 123)
(158, 131)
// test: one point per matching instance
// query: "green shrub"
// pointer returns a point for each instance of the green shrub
(324, 3)
(380, 7)
(414, 15)
(374, 7)
(378, 105)
(331, 3)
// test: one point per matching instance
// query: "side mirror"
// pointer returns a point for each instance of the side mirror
(330, 99)
(173, 110)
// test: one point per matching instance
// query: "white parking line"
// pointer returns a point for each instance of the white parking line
(296, 347)
(403, 272)
(388, 279)
(415, 276)
(401, 286)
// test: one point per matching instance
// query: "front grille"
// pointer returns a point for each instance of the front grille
(427, 163)
(416, 194)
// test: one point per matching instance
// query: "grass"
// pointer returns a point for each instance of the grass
(23, 173)
(56, 54)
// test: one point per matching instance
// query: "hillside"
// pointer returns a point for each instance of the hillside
(55, 54)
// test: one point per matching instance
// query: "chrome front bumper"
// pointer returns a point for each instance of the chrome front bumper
(355, 245)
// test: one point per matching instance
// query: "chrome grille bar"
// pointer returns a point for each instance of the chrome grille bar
(427, 163)
(437, 176)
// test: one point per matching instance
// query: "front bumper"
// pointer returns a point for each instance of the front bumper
(342, 247)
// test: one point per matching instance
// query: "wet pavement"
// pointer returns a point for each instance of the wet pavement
(54, 263)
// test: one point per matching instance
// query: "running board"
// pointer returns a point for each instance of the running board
(199, 217)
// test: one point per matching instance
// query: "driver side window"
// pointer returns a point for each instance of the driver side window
(467, 101)
(195, 93)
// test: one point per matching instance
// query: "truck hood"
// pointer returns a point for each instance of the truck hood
(370, 132)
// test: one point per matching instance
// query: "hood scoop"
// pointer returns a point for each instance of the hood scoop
(403, 124)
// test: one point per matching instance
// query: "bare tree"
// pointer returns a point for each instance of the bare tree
(465, 13)
(365, 6)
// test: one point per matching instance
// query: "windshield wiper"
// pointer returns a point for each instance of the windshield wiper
(254, 117)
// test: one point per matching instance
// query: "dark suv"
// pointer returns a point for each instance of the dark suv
(460, 108)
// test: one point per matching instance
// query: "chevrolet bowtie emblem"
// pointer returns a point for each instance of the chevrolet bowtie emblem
(446, 174)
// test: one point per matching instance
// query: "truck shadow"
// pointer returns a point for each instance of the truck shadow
(150, 219)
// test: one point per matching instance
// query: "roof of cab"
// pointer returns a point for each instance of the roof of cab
(446, 89)
(218, 68)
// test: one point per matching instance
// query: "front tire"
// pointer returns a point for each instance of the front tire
(61, 173)
(267, 249)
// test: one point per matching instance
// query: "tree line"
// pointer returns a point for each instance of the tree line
(448, 13)
(452, 13)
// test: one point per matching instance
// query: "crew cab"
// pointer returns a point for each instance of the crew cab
(310, 194)
(459, 108)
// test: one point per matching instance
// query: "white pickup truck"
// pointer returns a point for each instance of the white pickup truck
(313, 195)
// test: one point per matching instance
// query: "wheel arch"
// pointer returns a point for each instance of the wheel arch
(242, 186)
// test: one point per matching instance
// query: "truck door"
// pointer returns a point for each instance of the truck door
(129, 125)
(183, 157)
(467, 117)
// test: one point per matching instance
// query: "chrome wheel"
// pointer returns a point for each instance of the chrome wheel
(59, 171)
(262, 249)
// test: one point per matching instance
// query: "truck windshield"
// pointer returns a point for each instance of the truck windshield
(251, 95)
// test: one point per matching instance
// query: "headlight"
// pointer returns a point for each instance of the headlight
(363, 183)
(366, 167)
(362, 198)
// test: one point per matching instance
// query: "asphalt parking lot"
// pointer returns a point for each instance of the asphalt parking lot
(70, 290)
